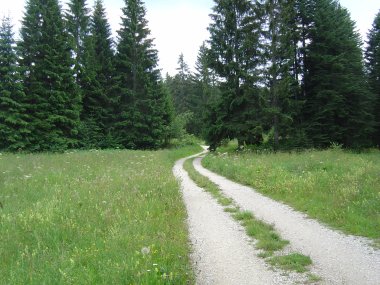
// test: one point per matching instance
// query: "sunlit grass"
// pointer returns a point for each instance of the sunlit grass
(265, 235)
(338, 187)
(101, 217)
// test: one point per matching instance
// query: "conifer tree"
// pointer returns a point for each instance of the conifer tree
(78, 18)
(338, 107)
(98, 115)
(142, 116)
(234, 56)
(13, 127)
(206, 90)
(279, 60)
(53, 101)
(373, 69)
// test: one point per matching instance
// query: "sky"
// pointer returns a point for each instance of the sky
(180, 26)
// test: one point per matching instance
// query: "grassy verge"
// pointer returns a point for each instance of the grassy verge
(267, 239)
(337, 187)
(101, 217)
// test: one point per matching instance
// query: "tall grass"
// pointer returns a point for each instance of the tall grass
(102, 217)
(337, 187)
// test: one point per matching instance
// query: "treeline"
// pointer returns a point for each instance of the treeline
(64, 86)
(274, 73)
(284, 74)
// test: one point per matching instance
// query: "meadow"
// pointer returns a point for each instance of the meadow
(93, 217)
(339, 188)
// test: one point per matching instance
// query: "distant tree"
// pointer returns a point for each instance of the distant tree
(206, 89)
(338, 104)
(373, 67)
(99, 101)
(13, 127)
(181, 86)
(234, 57)
(53, 100)
(143, 117)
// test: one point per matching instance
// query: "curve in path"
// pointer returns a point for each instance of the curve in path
(338, 258)
(222, 253)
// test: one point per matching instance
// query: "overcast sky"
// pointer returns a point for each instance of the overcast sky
(181, 25)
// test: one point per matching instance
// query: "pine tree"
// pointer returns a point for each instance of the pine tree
(234, 56)
(142, 121)
(338, 107)
(280, 70)
(77, 18)
(13, 127)
(98, 115)
(373, 68)
(53, 101)
(182, 87)
(206, 90)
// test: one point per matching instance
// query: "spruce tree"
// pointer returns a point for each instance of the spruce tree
(13, 127)
(206, 90)
(98, 115)
(142, 116)
(373, 69)
(77, 18)
(53, 101)
(234, 56)
(280, 71)
(339, 106)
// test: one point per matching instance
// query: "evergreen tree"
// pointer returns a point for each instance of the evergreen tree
(98, 115)
(338, 107)
(13, 127)
(53, 101)
(206, 90)
(280, 70)
(142, 121)
(373, 68)
(181, 87)
(234, 56)
(77, 18)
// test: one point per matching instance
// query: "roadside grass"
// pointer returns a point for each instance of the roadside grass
(340, 188)
(267, 239)
(93, 217)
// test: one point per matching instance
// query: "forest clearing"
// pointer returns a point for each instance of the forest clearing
(102, 175)
(95, 217)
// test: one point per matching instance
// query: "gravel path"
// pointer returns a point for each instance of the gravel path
(222, 253)
(337, 258)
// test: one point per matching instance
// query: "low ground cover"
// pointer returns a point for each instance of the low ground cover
(101, 217)
(267, 239)
(338, 187)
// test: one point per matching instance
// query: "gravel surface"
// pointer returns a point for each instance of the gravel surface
(337, 258)
(222, 253)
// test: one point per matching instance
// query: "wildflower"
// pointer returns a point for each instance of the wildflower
(145, 250)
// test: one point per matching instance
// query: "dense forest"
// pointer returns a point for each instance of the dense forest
(274, 73)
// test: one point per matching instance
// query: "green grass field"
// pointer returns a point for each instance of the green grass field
(340, 188)
(101, 217)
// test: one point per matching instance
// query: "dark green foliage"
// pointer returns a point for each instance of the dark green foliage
(143, 113)
(234, 56)
(280, 71)
(99, 100)
(192, 92)
(338, 107)
(13, 127)
(373, 68)
(52, 98)
(77, 19)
